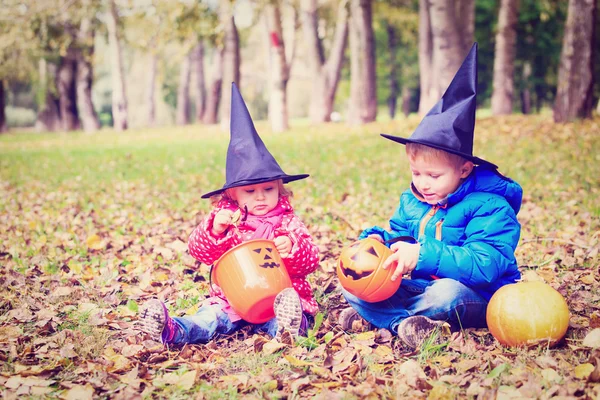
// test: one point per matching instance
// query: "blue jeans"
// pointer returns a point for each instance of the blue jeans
(442, 299)
(211, 320)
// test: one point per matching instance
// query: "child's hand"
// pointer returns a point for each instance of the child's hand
(404, 259)
(222, 221)
(376, 237)
(284, 245)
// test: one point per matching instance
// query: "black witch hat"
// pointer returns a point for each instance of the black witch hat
(248, 160)
(450, 124)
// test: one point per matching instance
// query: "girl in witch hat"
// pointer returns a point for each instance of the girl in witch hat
(255, 186)
(462, 213)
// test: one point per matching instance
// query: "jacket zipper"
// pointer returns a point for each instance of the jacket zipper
(426, 219)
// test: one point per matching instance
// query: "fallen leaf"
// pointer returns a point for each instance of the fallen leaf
(592, 339)
(94, 242)
(79, 392)
(583, 371)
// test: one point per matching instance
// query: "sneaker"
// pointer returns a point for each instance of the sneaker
(413, 331)
(155, 321)
(288, 311)
(347, 318)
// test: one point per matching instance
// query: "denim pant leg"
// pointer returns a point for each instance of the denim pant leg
(442, 299)
(205, 324)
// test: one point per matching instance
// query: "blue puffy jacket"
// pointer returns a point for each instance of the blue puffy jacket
(471, 239)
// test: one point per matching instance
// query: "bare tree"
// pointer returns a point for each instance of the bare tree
(231, 62)
(325, 72)
(279, 68)
(504, 60)
(198, 68)
(183, 92)
(119, 97)
(363, 95)
(575, 76)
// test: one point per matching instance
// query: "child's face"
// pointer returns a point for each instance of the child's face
(435, 179)
(260, 198)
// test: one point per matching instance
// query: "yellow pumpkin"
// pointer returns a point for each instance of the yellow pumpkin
(360, 273)
(527, 313)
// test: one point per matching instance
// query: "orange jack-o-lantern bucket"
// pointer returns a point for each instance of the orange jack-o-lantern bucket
(251, 274)
(360, 273)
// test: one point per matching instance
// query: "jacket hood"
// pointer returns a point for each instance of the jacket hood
(489, 180)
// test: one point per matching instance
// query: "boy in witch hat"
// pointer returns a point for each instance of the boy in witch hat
(463, 214)
(255, 189)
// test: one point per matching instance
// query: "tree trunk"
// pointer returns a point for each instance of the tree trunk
(465, 13)
(504, 60)
(325, 73)
(183, 92)
(526, 91)
(150, 93)
(363, 95)
(48, 118)
(214, 92)
(448, 46)
(200, 92)
(575, 75)
(426, 100)
(3, 124)
(67, 90)
(406, 95)
(231, 63)
(85, 77)
(119, 97)
(393, 73)
(279, 71)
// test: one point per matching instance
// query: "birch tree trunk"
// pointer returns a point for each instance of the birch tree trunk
(426, 100)
(182, 116)
(279, 71)
(67, 91)
(200, 92)
(213, 98)
(363, 96)
(393, 73)
(504, 60)
(325, 73)
(151, 90)
(3, 124)
(231, 63)
(575, 75)
(119, 97)
(85, 76)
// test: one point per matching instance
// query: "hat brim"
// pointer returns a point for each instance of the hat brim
(284, 178)
(475, 160)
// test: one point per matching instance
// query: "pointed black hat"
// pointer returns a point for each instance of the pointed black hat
(450, 124)
(248, 160)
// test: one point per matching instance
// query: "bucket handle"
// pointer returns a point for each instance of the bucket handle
(210, 284)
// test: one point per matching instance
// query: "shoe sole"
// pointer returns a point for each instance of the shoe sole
(415, 338)
(288, 310)
(153, 319)
(347, 318)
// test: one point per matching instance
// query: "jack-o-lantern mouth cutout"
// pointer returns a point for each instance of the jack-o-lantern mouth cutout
(267, 256)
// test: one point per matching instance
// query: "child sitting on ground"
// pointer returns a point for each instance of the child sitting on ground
(255, 186)
(463, 217)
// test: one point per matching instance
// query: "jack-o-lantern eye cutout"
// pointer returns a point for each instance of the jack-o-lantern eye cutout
(267, 260)
(364, 261)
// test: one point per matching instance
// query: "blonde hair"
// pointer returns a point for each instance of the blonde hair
(226, 194)
(427, 153)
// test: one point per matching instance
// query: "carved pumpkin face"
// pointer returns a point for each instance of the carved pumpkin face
(360, 273)
(264, 257)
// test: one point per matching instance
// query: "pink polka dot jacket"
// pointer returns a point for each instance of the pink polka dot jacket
(301, 261)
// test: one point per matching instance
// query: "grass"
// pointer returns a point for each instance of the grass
(96, 220)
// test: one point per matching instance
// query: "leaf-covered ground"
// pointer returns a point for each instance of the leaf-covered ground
(92, 226)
